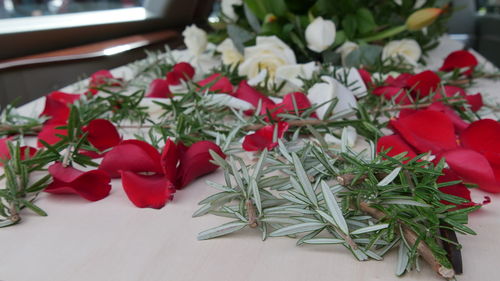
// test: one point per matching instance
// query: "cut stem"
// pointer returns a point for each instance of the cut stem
(411, 237)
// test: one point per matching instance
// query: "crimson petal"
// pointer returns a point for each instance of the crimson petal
(460, 59)
(247, 93)
(475, 101)
(185, 70)
(159, 88)
(102, 134)
(459, 190)
(424, 83)
(458, 122)
(49, 133)
(263, 137)
(472, 167)
(218, 83)
(92, 185)
(169, 159)
(397, 146)
(426, 130)
(195, 162)
(131, 155)
(400, 95)
(483, 136)
(147, 191)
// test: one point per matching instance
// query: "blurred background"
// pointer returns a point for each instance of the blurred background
(48, 44)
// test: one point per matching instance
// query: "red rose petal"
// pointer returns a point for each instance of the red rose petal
(169, 159)
(424, 83)
(366, 76)
(92, 185)
(102, 77)
(472, 167)
(458, 122)
(397, 146)
(159, 88)
(147, 191)
(475, 101)
(263, 138)
(102, 134)
(459, 190)
(247, 93)
(131, 155)
(49, 133)
(195, 162)
(399, 95)
(427, 130)
(483, 136)
(218, 83)
(4, 149)
(185, 70)
(460, 59)
(401, 81)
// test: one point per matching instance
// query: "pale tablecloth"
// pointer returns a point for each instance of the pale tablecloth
(113, 240)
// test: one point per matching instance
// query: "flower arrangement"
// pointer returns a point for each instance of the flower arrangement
(328, 155)
(337, 31)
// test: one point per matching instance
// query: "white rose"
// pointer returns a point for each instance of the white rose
(408, 49)
(323, 93)
(346, 49)
(230, 55)
(269, 53)
(320, 34)
(228, 9)
(195, 39)
(418, 4)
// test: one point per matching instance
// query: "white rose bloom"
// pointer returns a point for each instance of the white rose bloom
(320, 34)
(195, 39)
(269, 53)
(346, 49)
(230, 55)
(418, 4)
(228, 9)
(323, 93)
(408, 49)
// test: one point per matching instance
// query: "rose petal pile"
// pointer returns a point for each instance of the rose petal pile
(406, 88)
(160, 88)
(472, 154)
(150, 178)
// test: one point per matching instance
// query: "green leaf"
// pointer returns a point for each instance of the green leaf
(365, 55)
(253, 21)
(403, 259)
(256, 195)
(334, 208)
(366, 22)
(261, 8)
(390, 177)
(239, 36)
(304, 180)
(222, 230)
(297, 228)
(322, 241)
(350, 25)
(370, 228)
(34, 208)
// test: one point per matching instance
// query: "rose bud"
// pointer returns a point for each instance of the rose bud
(320, 34)
(422, 18)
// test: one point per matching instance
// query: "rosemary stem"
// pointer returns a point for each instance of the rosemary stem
(412, 238)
